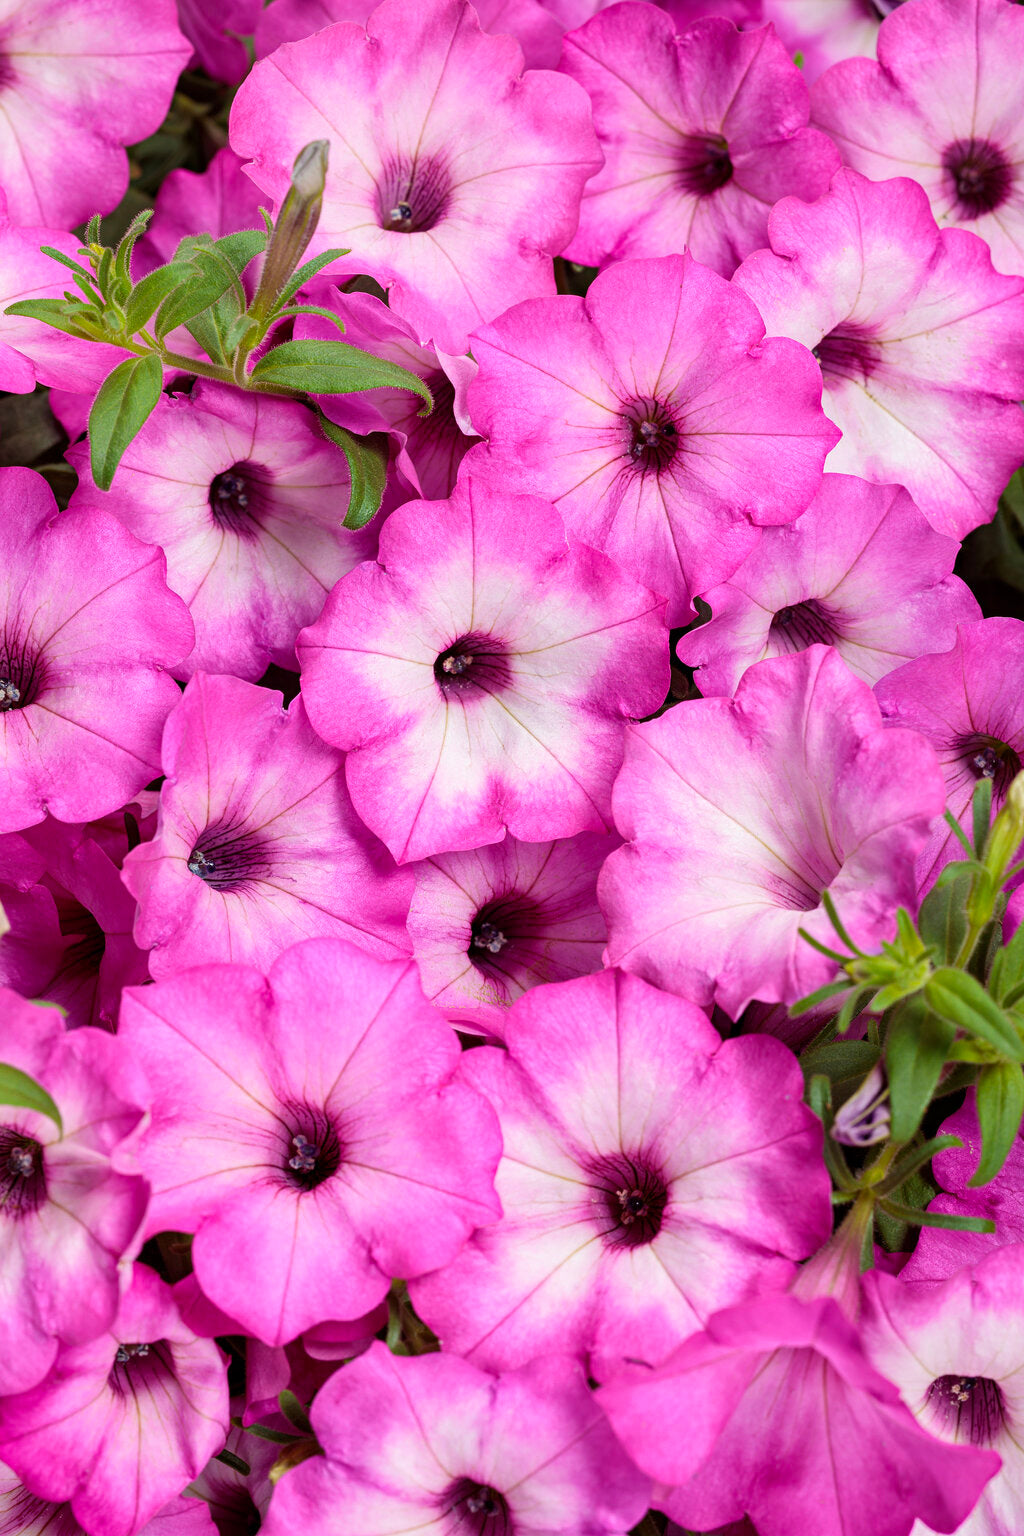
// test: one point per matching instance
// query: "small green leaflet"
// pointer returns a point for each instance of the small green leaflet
(20, 1090)
(127, 397)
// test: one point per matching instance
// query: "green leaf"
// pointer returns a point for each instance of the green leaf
(368, 467)
(236, 1463)
(60, 313)
(126, 244)
(1007, 972)
(812, 1000)
(213, 326)
(306, 273)
(92, 230)
(150, 292)
(20, 1091)
(963, 1001)
(275, 1436)
(917, 1043)
(210, 278)
(981, 813)
(125, 400)
(239, 248)
(942, 920)
(844, 1062)
(909, 1164)
(69, 262)
(1000, 1104)
(310, 309)
(948, 1223)
(294, 1412)
(333, 368)
(959, 833)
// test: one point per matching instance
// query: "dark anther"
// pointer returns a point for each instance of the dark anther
(138, 1366)
(704, 164)
(981, 174)
(22, 1174)
(236, 497)
(21, 672)
(487, 936)
(474, 1509)
(313, 1150)
(987, 758)
(847, 353)
(10, 694)
(228, 858)
(803, 624)
(970, 1406)
(653, 439)
(634, 1195)
(413, 196)
(474, 664)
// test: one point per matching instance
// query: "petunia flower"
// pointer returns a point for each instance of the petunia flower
(80, 80)
(217, 201)
(481, 674)
(216, 29)
(22, 1514)
(920, 341)
(860, 570)
(533, 25)
(967, 702)
(436, 1444)
(453, 177)
(234, 1502)
(121, 1424)
(824, 31)
(247, 499)
(703, 128)
(955, 1351)
(88, 633)
(489, 924)
(306, 1127)
(656, 417)
(67, 1214)
(945, 105)
(257, 843)
(744, 812)
(651, 1174)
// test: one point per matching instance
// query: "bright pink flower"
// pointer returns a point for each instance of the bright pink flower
(71, 941)
(920, 341)
(215, 28)
(454, 178)
(238, 1503)
(744, 811)
(323, 1147)
(702, 130)
(257, 844)
(434, 1443)
(945, 105)
(822, 31)
(66, 1215)
(968, 703)
(535, 28)
(121, 1424)
(88, 631)
(217, 201)
(489, 924)
(481, 675)
(79, 79)
(246, 498)
(651, 1174)
(955, 1351)
(860, 570)
(656, 417)
(22, 1514)
(776, 1412)
(745, 13)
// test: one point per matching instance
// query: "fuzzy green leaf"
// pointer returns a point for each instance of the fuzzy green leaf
(917, 1044)
(20, 1091)
(125, 400)
(368, 467)
(62, 314)
(963, 1001)
(150, 292)
(334, 368)
(1000, 1105)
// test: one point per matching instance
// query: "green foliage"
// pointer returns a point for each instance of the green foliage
(126, 398)
(20, 1091)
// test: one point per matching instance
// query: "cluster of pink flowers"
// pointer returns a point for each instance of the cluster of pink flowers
(422, 1143)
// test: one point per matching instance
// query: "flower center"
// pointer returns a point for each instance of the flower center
(703, 163)
(987, 758)
(229, 858)
(474, 664)
(804, 624)
(21, 675)
(22, 1174)
(138, 1367)
(475, 1509)
(968, 1407)
(634, 1195)
(312, 1151)
(652, 436)
(502, 935)
(981, 175)
(848, 352)
(413, 196)
(236, 498)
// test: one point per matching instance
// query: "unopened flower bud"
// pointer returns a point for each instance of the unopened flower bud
(295, 225)
(864, 1119)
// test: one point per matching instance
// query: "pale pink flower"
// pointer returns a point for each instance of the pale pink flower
(823, 31)
(23, 1514)
(534, 26)
(215, 28)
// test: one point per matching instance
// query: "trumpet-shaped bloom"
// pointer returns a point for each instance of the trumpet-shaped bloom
(656, 416)
(305, 1126)
(776, 1412)
(22, 1514)
(88, 628)
(247, 499)
(453, 177)
(216, 32)
(920, 341)
(744, 812)
(79, 79)
(481, 675)
(436, 1444)
(489, 924)
(702, 129)
(67, 1215)
(860, 570)
(945, 105)
(217, 201)
(823, 31)
(967, 702)
(257, 843)
(121, 1424)
(651, 1173)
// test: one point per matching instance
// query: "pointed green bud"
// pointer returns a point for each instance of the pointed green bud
(295, 226)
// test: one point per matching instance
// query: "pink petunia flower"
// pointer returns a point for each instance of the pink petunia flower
(434, 1443)
(489, 924)
(257, 843)
(744, 811)
(322, 1147)
(236, 1503)
(955, 1351)
(215, 28)
(967, 702)
(247, 499)
(702, 129)
(945, 105)
(824, 31)
(650, 1175)
(88, 633)
(218, 201)
(776, 1412)
(481, 675)
(80, 79)
(860, 570)
(121, 1424)
(67, 1216)
(920, 341)
(453, 177)
(656, 416)
(22, 1514)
